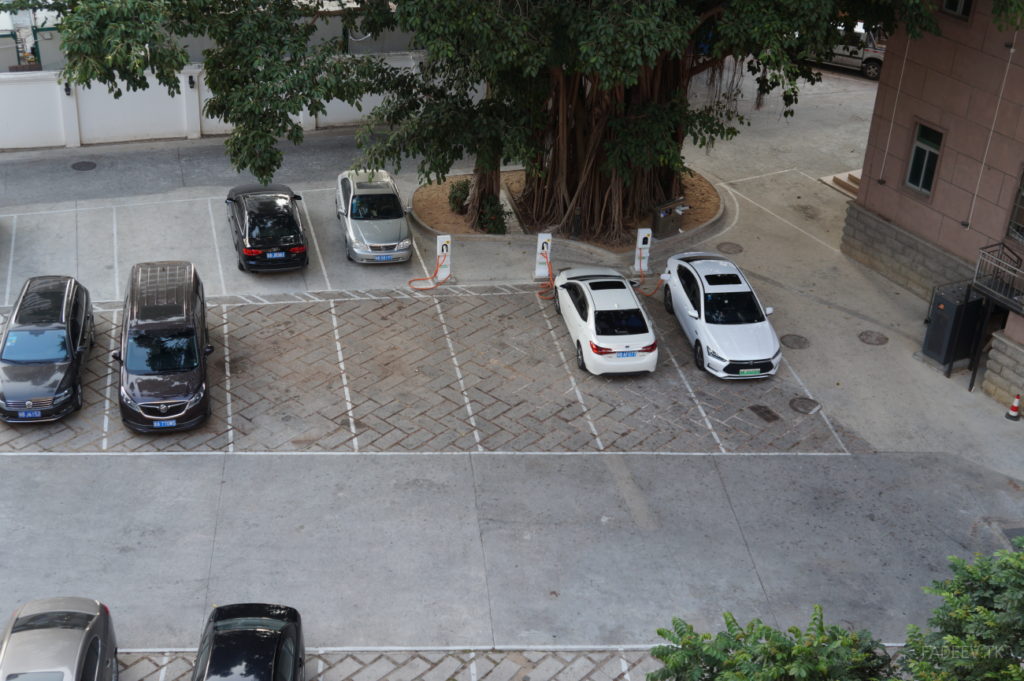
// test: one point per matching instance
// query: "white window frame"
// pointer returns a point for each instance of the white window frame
(927, 149)
(959, 11)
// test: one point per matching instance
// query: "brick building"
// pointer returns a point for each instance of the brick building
(943, 174)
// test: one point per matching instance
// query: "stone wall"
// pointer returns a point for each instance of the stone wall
(912, 262)
(1004, 373)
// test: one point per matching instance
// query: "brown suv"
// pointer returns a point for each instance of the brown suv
(164, 345)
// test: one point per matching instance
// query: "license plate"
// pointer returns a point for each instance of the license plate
(164, 424)
(30, 414)
(275, 255)
(626, 354)
(749, 372)
(382, 257)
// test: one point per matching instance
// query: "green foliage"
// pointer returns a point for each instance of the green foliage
(493, 215)
(457, 195)
(978, 631)
(760, 653)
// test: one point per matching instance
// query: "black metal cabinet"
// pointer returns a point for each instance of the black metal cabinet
(952, 312)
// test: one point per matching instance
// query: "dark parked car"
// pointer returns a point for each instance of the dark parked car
(251, 642)
(266, 228)
(45, 347)
(164, 345)
(59, 639)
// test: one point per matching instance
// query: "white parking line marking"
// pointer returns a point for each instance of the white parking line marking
(472, 667)
(693, 396)
(572, 379)
(821, 410)
(163, 664)
(112, 205)
(439, 649)
(344, 381)
(625, 668)
(319, 255)
(227, 379)
(415, 453)
(117, 279)
(10, 262)
(827, 245)
(110, 381)
(216, 248)
(754, 177)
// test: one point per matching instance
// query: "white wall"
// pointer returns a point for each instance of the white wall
(30, 110)
(140, 115)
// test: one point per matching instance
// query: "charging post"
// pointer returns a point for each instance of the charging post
(540, 270)
(643, 251)
(444, 259)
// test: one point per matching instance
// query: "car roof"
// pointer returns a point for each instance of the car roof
(60, 604)
(614, 299)
(242, 655)
(247, 189)
(46, 649)
(367, 182)
(277, 612)
(162, 291)
(710, 268)
(578, 273)
(44, 301)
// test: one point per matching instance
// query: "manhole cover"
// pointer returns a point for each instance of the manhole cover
(765, 413)
(83, 165)
(795, 342)
(729, 248)
(873, 338)
(804, 405)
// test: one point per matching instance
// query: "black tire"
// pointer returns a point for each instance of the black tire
(698, 356)
(348, 254)
(77, 399)
(872, 70)
(581, 363)
(668, 302)
(558, 308)
(241, 267)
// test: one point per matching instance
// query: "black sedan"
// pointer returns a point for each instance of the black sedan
(251, 642)
(45, 347)
(266, 227)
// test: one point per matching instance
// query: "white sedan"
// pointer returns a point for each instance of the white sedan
(609, 328)
(721, 316)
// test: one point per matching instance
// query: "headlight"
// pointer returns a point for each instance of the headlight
(716, 355)
(359, 245)
(197, 397)
(404, 243)
(62, 396)
(3, 401)
(128, 401)
(777, 353)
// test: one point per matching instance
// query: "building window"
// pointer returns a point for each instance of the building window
(924, 159)
(1016, 231)
(960, 8)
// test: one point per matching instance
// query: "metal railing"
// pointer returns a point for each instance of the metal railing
(999, 276)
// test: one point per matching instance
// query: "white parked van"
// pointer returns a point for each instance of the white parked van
(861, 50)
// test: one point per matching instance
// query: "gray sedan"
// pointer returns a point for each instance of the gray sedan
(372, 215)
(59, 639)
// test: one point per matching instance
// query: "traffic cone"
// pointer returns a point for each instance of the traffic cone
(1014, 413)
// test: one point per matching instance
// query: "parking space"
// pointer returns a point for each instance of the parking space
(472, 369)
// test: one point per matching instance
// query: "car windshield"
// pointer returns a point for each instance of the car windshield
(250, 623)
(36, 347)
(732, 308)
(36, 676)
(376, 207)
(271, 217)
(619, 322)
(159, 353)
(52, 620)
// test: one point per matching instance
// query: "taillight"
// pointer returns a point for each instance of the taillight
(650, 348)
(598, 350)
(297, 249)
(105, 609)
(251, 251)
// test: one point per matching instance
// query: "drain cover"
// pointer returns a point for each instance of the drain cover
(795, 342)
(83, 165)
(873, 338)
(804, 405)
(729, 248)
(767, 414)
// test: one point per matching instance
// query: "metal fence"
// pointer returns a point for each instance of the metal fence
(1000, 277)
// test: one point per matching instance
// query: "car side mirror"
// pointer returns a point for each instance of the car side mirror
(634, 284)
(228, 201)
(769, 310)
(296, 197)
(116, 354)
(666, 277)
(693, 313)
(208, 350)
(562, 287)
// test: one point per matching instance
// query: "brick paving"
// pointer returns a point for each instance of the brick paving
(526, 665)
(287, 387)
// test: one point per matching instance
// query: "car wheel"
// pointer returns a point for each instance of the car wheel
(698, 355)
(241, 267)
(580, 362)
(116, 674)
(78, 397)
(872, 70)
(348, 253)
(668, 301)
(558, 308)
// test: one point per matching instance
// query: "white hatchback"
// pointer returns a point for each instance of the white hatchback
(606, 322)
(721, 316)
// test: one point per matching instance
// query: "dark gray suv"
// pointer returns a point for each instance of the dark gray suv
(164, 346)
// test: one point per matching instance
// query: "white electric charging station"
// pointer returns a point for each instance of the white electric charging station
(540, 270)
(444, 257)
(643, 251)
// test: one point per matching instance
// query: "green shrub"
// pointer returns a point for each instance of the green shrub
(493, 215)
(457, 195)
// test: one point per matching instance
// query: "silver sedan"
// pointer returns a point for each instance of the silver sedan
(373, 218)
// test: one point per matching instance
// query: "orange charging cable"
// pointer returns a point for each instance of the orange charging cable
(440, 261)
(550, 284)
(640, 255)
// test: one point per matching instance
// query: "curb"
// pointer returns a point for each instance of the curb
(672, 243)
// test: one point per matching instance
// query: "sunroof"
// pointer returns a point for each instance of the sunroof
(372, 185)
(723, 279)
(606, 285)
